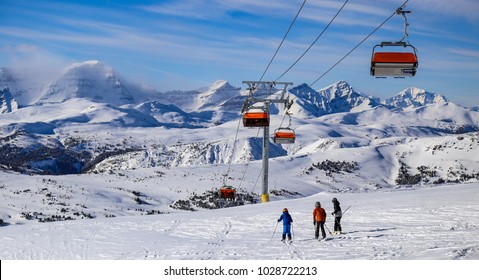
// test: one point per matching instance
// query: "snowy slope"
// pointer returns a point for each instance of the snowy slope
(431, 223)
(79, 110)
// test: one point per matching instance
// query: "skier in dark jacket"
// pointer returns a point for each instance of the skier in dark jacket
(337, 216)
(287, 220)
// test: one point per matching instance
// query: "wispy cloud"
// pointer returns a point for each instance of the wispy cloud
(466, 53)
(195, 9)
(457, 8)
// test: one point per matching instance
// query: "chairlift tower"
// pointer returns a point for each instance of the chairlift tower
(271, 95)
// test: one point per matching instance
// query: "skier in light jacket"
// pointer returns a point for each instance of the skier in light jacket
(287, 220)
(337, 213)
(319, 218)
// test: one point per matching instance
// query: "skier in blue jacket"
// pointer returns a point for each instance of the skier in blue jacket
(287, 220)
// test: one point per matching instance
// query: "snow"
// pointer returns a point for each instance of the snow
(428, 223)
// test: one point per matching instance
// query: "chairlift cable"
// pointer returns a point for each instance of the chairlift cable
(314, 42)
(225, 178)
(284, 116)
(357, 46)
(282, 41)
(247, 165)
(257, 179)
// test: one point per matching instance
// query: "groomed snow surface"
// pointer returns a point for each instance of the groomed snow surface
(439, 222)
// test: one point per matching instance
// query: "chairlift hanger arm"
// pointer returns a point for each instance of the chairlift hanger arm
(400, 11)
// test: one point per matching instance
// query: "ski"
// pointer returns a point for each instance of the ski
(325, 239)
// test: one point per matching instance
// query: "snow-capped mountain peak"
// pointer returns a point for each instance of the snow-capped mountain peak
(336, 90)
(91, 80)
(90, 63)
(205, 99)
(337, 98)
(343, 98)
(219, 92)
(414, 97)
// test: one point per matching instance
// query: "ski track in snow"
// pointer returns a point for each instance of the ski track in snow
(430, 223)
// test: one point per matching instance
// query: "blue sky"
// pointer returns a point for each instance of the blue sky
(190, 44)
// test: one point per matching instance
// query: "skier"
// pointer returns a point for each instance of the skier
(287, 220)
(319, 218)
(337, 216)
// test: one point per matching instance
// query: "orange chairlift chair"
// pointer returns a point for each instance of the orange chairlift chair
(256, 118)
(284, 135)
(394, 64)
(227, 192)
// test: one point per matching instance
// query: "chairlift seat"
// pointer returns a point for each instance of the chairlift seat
(395, 64)
(255, 119)
(284, 137)
(227, 192)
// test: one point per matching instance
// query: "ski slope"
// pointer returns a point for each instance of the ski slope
(439, 223)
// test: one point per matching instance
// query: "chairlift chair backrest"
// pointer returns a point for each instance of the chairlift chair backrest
(256, 119)
(394, 64)
(227, 192)
(284, 136)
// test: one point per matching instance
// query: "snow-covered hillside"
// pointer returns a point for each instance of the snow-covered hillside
(430, 223)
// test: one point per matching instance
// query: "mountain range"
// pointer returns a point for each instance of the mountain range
(90, 116)
(94, 81)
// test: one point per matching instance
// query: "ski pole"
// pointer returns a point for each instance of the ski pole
(292, 229)
(346, 210)
(274, 230)
(328, 228)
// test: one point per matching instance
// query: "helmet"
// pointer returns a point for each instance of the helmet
(335, 200)
(285, 209)
(317, 204)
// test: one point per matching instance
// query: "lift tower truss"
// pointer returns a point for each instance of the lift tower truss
(265, 93)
